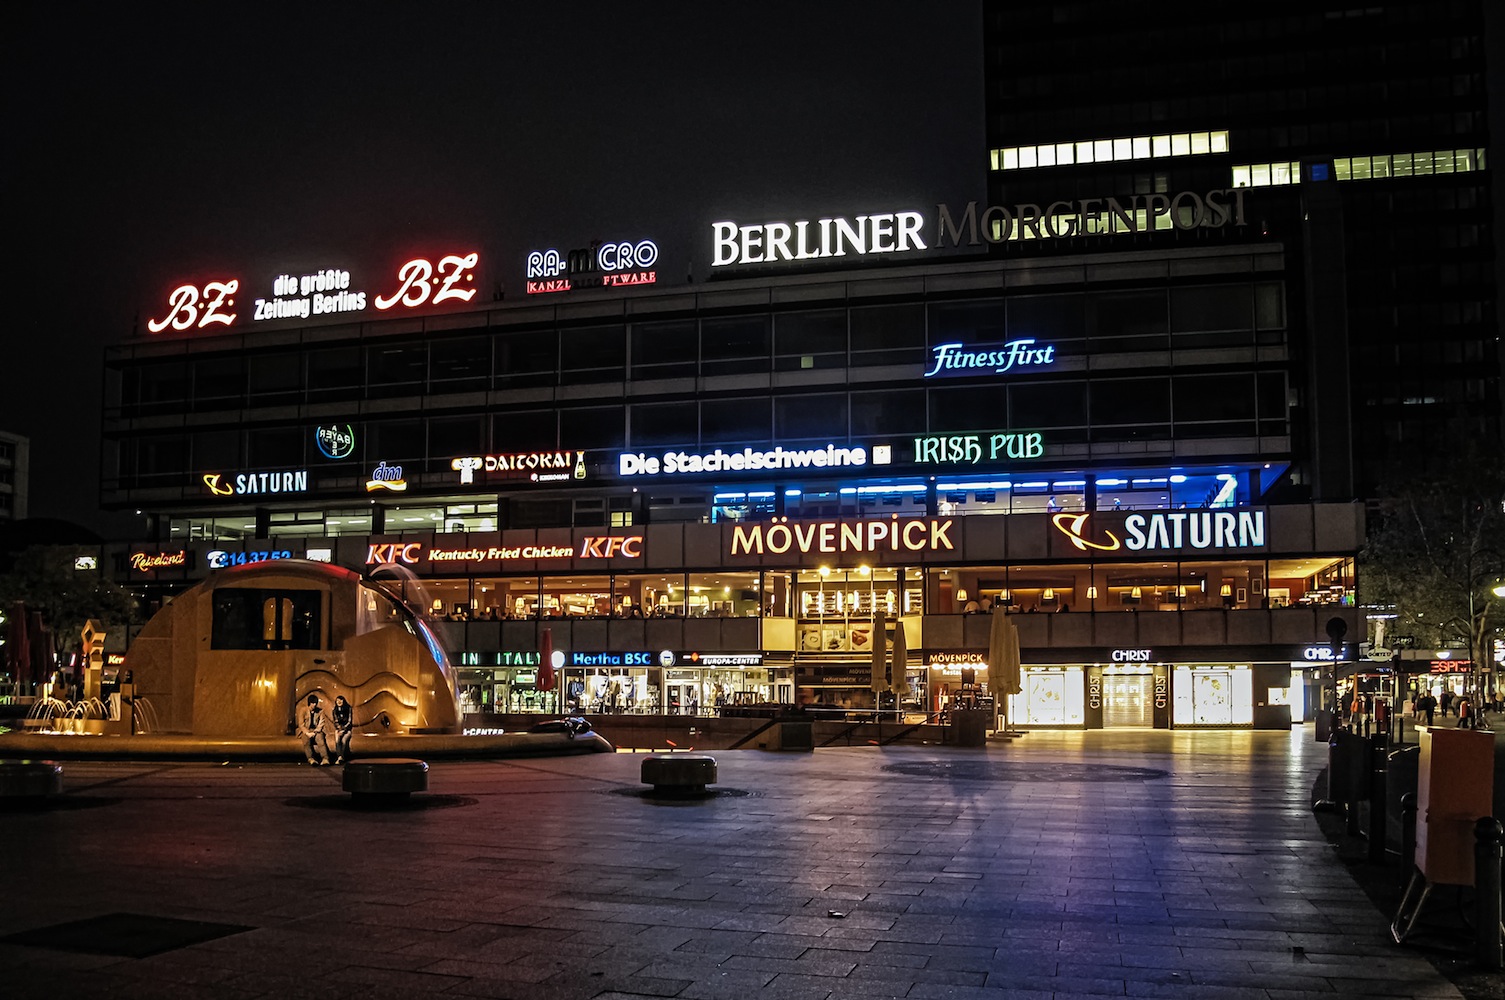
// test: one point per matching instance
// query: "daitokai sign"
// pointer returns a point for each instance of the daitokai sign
(871, 536)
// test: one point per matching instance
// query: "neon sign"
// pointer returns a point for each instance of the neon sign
(146, 562)
(298, 298)
(874, 535)
(325, 292)
(219, 559)
(953, 360)
(1089, 217)
(335, 441)
(418, 274)
(1180, 529)
(538, 466)
(609, 265)
(255, 483)
(746, 460)
(191, 307)
(635, 659)
(950, 449)
(394, 552)
(386, 477)
(769, 242)
(611, 546)
(1132, 655)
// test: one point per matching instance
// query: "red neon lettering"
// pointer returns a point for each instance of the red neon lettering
(457, 266)
(414, 276)
(185, 310)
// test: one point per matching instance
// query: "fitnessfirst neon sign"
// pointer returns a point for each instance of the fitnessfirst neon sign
(804, 239)
(1169, 531)
(834, 537)
(746, 460)
(952, 360)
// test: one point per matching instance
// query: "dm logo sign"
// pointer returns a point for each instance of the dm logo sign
(336, 440)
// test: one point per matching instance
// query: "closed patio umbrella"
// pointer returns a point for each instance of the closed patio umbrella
(900, 662)
(1003, 662)
(878, 680)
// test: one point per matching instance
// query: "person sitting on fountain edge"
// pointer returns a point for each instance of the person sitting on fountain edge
(344, 725)
(313, 731)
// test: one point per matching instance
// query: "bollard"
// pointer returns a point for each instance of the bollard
(1489, 946)
(1407, 838)
(1377, 758)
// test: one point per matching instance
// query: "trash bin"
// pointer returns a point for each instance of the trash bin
(1347, 767)
(969, 727)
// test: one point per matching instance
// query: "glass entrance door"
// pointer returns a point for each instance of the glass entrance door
(1128, 701)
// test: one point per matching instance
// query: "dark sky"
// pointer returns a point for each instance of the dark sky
(152, 143)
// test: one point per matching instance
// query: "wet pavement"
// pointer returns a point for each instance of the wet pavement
(1058, 865)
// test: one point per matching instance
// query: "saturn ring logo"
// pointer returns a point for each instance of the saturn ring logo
(218, 488)
(1070, 525)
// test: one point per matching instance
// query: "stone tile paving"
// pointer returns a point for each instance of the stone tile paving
(1057, 866)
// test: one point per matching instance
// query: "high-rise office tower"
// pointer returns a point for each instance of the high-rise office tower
(1387, 106)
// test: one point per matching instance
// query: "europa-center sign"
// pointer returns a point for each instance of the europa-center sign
(329, 291)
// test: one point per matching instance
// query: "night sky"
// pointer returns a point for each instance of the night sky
(152, 143)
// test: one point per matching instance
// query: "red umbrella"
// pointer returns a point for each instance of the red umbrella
(546, 660)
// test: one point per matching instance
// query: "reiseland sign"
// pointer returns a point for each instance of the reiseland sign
(330, 291)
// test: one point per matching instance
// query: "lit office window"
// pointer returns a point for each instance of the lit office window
(1364, 168)
(1118, 148)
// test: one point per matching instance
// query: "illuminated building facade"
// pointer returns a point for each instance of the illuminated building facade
(709, 492)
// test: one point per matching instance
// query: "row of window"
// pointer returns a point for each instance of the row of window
(1363, 168)
(1139, 147)
(1070, 411)
(1158, 320)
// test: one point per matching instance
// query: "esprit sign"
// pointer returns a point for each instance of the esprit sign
(1089, 217)
(327, 291)
(831, 537)
(747, 460)
(806, 239)
(959, 359)
(1168, 531)
(256, 483)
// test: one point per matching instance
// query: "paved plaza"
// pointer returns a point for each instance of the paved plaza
(1059, 865)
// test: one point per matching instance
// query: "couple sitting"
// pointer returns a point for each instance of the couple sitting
(314, 729)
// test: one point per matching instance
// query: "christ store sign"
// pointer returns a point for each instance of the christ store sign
(1163, 531)
(329, 291)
